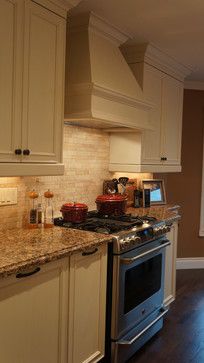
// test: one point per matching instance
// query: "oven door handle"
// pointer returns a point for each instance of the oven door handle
(127, 261)
(164, 311)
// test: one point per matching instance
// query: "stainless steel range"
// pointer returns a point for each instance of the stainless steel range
(135, 289)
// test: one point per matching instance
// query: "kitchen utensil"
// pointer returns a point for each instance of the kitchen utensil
(123, 181)
(74, 212)
(116, 182)
(111, 204)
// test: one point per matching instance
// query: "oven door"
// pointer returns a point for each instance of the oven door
(138, 285)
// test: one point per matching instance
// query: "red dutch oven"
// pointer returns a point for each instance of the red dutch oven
(111, 204)
(74, 212)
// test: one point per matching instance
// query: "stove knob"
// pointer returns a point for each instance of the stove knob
(156, 231)
(168, 229)
(138, 240)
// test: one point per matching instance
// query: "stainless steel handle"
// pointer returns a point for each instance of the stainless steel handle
(129, 342)
(127, 261)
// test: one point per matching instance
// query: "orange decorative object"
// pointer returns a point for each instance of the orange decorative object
(48, 194)
(33, 194)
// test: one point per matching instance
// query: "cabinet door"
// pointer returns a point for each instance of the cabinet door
(172, 106)
(170, 266)
(151, 140)
(11, 63)
(43, 84)
(33, 315)
(87, 303)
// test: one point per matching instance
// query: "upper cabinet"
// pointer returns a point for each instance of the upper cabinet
(32, 39)
(157, 150)
(163, 145)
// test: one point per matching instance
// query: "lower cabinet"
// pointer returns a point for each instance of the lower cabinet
(33, 315)
(55, 313)
(87, 306)
(170, 266)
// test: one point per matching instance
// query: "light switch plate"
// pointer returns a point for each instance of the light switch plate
(8, 196)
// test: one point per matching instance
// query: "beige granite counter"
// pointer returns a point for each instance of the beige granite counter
(23, 248)
(165, 212)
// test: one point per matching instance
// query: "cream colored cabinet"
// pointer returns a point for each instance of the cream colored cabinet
(157, 150)
(163, 145)
(33, 315)
(32, 40)
(87, 301)
(11, 69)
(170, 266)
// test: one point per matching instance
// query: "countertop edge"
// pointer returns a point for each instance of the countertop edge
(47, 258)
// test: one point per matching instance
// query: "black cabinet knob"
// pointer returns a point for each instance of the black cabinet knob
(18, 151)
(26, 152)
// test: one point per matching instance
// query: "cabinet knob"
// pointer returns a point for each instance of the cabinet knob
(18, 151)
(26, 152)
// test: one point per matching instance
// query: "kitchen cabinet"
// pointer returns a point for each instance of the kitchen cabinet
(87, 306)
(33, 315)
(56, 313)
(32, 39)
(170, 266)
(163, 145)
(157, 150)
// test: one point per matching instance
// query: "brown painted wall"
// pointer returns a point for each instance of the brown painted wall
(185, 188)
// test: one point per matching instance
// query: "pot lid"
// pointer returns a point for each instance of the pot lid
(68, 206)
(111, 198)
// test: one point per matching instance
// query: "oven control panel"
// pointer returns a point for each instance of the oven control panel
(161, 229)
(128, 240)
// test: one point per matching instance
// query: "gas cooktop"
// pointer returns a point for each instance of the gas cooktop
(128, 231)
(106, 224)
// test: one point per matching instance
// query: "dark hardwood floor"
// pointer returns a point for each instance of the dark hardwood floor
(182, 338)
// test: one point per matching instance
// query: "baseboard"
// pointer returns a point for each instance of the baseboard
(190, 263)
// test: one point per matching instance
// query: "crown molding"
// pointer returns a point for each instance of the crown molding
(196, 85)
(95, 23)
(148, 53)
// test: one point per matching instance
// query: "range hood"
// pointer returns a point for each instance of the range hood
(101, 90)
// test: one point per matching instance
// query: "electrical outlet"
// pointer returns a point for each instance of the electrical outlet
(8, 196)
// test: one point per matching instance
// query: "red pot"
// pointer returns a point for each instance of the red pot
(74, 212)
(111, 204)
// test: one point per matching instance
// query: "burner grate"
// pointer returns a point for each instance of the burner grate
(106, 224)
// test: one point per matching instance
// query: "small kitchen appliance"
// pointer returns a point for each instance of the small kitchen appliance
(135, 284)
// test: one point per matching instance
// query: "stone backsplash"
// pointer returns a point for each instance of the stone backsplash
(86, 157)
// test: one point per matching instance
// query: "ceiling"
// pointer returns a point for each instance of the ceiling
(175, 26)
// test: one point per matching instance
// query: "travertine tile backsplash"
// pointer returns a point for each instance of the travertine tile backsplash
(86, 154)
(86, 157)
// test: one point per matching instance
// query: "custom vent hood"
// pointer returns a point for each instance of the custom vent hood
(101, 90)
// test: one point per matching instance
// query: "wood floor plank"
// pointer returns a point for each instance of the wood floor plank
(182, 338)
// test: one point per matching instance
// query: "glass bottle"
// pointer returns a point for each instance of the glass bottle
(32, 220)
(49, 213)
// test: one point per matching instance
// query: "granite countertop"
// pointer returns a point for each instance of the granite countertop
(167, 212)
(23, 248)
